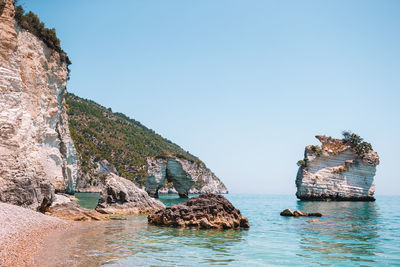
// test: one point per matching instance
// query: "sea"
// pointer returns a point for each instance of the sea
(348, 234)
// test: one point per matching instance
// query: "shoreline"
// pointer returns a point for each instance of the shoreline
(22, 233)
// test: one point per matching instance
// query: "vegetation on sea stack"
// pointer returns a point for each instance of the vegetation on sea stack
(335, 146)
(360, 146)
(98, 133)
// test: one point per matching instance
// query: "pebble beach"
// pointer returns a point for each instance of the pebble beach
(22, 232)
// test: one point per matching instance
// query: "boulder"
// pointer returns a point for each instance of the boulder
(73, 212)
(121, 196)
(206, 211)
(37, 194)
(60, 199)
(298, 213)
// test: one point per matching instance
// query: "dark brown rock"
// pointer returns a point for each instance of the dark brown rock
(207, 211)
(298, 213)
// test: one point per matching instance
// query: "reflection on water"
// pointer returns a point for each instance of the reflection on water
(133, 240)
(348, 234)
(348, 231)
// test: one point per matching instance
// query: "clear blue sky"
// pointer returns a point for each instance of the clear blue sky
(244, 85)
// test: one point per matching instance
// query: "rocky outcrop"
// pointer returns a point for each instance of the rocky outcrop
(207, 211)
(121, 196)
(337, 170)
(37, 155)
(186, 177)
(73, 212)
(298, 213)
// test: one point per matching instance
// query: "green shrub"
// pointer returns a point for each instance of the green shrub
(302, 163)
(317, 150)
(359, 145)
(32, 23)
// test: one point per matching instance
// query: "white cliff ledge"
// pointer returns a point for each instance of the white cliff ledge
(340, 169)
(185, 176)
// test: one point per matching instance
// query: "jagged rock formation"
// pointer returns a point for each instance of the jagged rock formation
(186, 177)
(338, 170)
(207, 211)
(121, 196)
(37, 155)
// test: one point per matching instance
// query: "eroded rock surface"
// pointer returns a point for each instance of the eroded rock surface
(37, 155)
(207, 211)
(74, 212)
(121, 196)
(185, 175)
(335, 171)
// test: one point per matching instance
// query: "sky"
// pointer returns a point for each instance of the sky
(244, 85)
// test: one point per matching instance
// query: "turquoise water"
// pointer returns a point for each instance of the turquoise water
(88, 200)
(349, 234)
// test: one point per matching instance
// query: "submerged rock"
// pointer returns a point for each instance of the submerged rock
(207, 211)
(74, 212)
(298, 213)
(121, 196)
(338, 170)
(186, 177)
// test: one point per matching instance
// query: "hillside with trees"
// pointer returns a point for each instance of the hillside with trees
(99, 133)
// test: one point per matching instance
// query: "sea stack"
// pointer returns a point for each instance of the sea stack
(339, 169)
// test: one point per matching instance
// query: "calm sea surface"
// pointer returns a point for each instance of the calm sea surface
(349, 234)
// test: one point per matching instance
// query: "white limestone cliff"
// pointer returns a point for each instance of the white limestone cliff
(186, 177)
(335, 171)
(37, 155)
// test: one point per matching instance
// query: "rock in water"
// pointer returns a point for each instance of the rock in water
(121, 196)
(298, 213)
(341, 169)
(207, 211)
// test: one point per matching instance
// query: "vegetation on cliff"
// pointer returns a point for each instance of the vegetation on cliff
(31, 22)
(99, 133)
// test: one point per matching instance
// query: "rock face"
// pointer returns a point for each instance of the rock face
(37, 155)
(207, 211)
(186, 177)
(336, 171)
(121, 196)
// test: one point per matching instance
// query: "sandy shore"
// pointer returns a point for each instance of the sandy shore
(22, 232)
